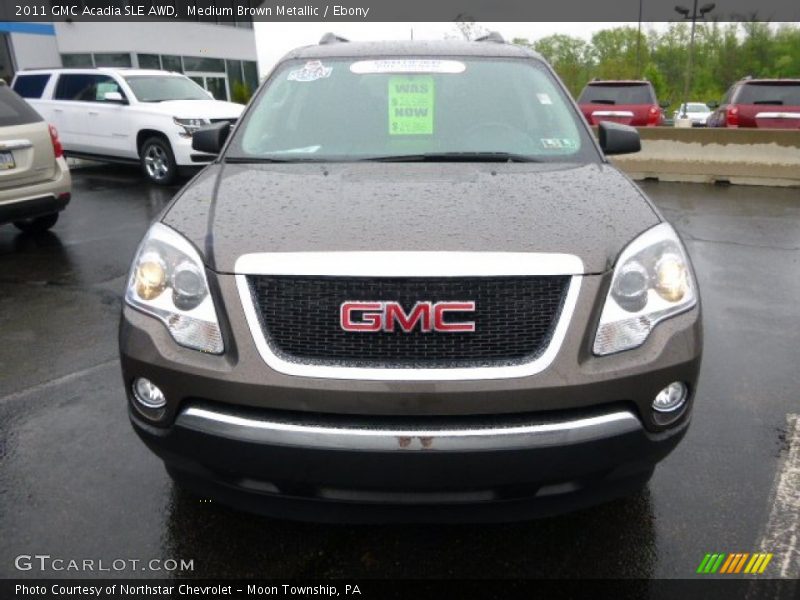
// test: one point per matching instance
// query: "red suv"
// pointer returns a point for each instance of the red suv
(631, 102)
(764, 103)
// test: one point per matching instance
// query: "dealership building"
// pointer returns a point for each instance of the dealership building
(220, 56)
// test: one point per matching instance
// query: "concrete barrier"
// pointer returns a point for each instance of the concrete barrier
(737, 156)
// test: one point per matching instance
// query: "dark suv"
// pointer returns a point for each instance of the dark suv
(629, 102)
(411, 287)
(762, 103)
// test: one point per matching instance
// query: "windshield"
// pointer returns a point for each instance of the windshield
(777, 93)
(696, 107)
(626, 93)
(160, 88)
(14, 110)
(412, 109)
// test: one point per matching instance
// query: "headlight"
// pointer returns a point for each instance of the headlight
(190, 125)
(652, 280)
(168, 281)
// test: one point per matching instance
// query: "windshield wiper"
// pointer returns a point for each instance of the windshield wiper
(255, 159)
(456, 157)
(768, 102)
(602, 101)
(270, 159)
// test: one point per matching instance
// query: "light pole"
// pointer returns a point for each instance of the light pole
(682, 10)
(639, 45)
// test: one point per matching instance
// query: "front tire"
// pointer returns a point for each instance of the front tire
(158, 161)
(38, 224)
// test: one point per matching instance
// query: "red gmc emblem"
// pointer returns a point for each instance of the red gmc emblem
(390, 316)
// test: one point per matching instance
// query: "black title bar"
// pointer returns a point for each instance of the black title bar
(364, 589)
(391, 10)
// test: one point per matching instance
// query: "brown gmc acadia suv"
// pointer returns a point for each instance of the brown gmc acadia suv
(411, 287)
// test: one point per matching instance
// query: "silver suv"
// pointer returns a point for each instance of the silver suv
(34, 177)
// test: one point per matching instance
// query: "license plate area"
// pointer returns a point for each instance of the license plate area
(7, 161)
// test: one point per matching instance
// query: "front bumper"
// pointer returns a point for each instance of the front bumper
(185, 155)
(364, 470)
(224, 429)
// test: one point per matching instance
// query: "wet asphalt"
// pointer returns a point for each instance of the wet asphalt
(75, 482)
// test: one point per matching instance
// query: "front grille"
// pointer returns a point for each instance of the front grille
(514, 319)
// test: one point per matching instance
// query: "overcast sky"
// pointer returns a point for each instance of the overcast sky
(273, 40)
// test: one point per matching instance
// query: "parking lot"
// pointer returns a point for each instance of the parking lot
(75, 481)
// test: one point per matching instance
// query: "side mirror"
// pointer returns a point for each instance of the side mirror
(664, 103)
(211, 139)
(712, 104)
(114, 97)
(618, 139)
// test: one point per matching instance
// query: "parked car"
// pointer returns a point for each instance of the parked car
(411, 287)
(630, 102)
(763, 103)
(126, 115)
(696, 112)
(34, 178)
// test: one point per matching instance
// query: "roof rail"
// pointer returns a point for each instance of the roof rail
(332, 38)
(492, 36)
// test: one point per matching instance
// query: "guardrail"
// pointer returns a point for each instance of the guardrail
(738, 156)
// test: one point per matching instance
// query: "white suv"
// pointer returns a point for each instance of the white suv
(126, 115)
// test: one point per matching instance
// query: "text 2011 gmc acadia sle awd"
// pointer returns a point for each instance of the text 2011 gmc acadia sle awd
(411, 287)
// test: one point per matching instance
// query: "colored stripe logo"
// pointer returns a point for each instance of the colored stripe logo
(731, 564)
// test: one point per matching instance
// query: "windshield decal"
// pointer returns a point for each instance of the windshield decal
(411, 100)
(408, 65)
(303, 150)
(311, 71)
(559, 143)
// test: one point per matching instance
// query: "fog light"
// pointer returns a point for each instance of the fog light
(148, 394)
(671, 398)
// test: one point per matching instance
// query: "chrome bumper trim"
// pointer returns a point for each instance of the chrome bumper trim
(409, 264)
(9, 145)
(778, 115)
(328, 437)
(612, 113)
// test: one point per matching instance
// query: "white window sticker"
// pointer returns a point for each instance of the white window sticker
(311, 71)
(559, 143)
(544, 99)
(303, 150)
(409, 65)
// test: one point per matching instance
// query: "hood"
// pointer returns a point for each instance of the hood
(197, 109)
(591, 211)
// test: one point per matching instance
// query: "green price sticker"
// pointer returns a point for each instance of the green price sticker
(411, 99)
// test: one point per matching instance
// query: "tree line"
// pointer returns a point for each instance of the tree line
(723, 54)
